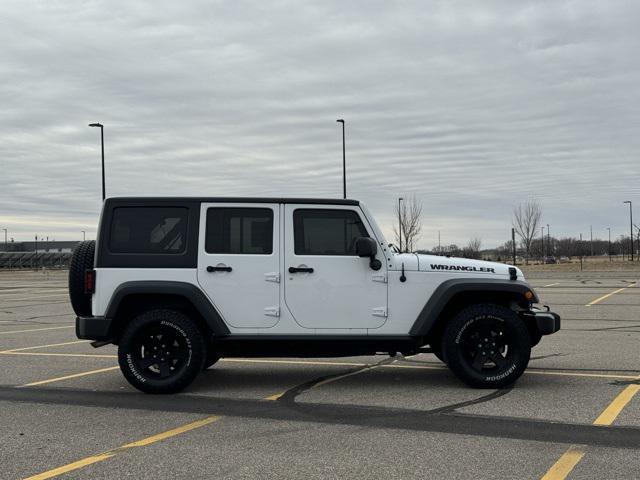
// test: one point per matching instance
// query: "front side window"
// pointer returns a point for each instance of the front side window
(239, 231)
(326, 232)
(148, 230)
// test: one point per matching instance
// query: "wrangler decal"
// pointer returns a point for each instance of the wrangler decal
(462, 267)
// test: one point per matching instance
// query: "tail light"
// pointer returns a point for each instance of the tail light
(89, 281)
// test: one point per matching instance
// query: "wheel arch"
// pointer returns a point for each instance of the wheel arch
(132, 298)
(455, 294)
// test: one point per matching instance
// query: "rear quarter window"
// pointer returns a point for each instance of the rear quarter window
(149, 230)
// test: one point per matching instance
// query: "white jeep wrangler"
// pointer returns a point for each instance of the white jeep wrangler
(178, 283)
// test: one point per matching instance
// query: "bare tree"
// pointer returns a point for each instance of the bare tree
(473, 248)
(526, 221)
(410, 215)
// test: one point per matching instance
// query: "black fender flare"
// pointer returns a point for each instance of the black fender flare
(191, 292)
(449, 288)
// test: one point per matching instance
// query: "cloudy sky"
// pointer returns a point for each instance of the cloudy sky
(472, 107)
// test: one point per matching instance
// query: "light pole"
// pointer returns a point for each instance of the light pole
(84, 235)
(400, 223)
(344, 162)
(542, 240)
(6, 245)
(630, 225)
(36, 245)
(609, 249)
(549, 241)
(591, 233)
(102, 145)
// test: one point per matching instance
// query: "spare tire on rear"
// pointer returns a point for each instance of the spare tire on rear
(81, 260)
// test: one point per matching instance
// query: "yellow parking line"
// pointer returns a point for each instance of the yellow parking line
(112, 453)
(37, 329)
(291, 362)
(608, 416)
(565, 464)
(34, 297)
(604, 297)
(43, 346)
(71, 467)
(275, 396)
(48, 354)
(301, 362)
(172, 433)
(67, 377)
(571, 457)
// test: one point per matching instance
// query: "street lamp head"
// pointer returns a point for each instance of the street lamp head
(95, 125)
(627, 201)
(340, 120)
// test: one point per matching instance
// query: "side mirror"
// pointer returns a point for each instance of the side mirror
(367, 247)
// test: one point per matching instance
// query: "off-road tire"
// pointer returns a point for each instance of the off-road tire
(487, 329)
(142, 341)
(81, 260)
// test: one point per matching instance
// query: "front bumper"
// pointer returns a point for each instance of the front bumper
(546, 321)
(93, 328)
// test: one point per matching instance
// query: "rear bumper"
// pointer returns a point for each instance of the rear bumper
(93, 328)
(547, 322)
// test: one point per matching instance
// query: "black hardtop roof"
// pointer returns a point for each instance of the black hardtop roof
(314, 201)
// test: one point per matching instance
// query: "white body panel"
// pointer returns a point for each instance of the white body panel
(249, 295)
(343, 292)
(109, 279)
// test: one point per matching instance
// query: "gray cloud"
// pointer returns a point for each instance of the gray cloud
(473, 107)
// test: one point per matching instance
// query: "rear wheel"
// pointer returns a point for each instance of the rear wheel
(161, 351)
(487, 346)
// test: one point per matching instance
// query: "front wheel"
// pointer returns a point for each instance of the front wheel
(487, 346)
(161, 351)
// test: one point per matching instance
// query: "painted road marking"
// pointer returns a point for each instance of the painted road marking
(43, 346)
(349, 364)
(67, 377)
(36, 329)
(604, 297)
(565, 464)
(571, 457)
(551, 285)
(49, 354)
(608, 416)
(113, 452)
(33, 297)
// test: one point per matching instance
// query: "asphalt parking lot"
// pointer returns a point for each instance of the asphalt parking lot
(68, 412)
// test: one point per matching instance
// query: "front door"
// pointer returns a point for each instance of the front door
(327, 286)
(238, 262)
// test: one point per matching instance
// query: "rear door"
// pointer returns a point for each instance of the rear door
(327, 286)
(238, 262)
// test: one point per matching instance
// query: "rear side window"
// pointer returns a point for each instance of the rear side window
(326, 232)
(246, 231)
(159, 230)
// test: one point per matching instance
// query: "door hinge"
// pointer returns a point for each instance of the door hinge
(379, 312)
(381, 277)
(272, 311)
(272, 277)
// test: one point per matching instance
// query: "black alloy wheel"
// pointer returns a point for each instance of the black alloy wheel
(161, 351)
(487, 346)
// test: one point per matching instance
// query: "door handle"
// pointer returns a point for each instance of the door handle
(300, 270)
(218, 269)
